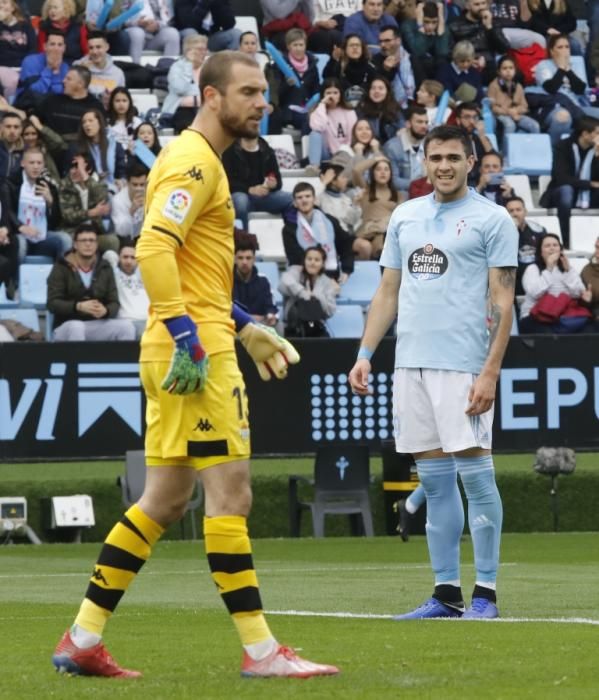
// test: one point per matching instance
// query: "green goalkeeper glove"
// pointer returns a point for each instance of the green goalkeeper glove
(189, 367)
(271, 353)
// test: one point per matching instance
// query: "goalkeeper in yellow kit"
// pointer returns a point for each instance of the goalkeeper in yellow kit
(196, 404)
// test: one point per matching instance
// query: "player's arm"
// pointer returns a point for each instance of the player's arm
(271, 353)
(381, 315)
(177, 200)
(502, 281)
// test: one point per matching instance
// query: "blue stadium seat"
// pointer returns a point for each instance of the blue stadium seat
(38, 260)
(362, 283)
(33, 284)
(28, 317)
(346, 322)
(270, 270)
(528, 154)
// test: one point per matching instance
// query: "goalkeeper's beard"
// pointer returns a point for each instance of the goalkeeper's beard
(237, 127)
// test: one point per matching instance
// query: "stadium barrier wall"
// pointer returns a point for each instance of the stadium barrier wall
(71, 400)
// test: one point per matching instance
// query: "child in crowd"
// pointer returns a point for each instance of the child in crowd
(508, 101)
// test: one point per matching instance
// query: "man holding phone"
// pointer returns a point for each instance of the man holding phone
(36, 208)
(491, 182)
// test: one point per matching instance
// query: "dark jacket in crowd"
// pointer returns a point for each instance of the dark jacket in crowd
(545, 18)
(486, 42)
(191, 13)
(16, 41)
(63, 113)
(53, 214)
(10, 161)
(563, 170)
(66, 290)
(309, 85)
(241, 175)
(295, 253)
(255, 295)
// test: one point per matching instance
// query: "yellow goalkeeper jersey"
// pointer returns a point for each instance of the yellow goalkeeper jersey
(189, 214)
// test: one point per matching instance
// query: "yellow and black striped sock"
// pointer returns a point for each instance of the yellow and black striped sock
(125, 551)
(230, 559)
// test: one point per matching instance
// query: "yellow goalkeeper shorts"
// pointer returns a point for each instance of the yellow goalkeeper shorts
(201, 429)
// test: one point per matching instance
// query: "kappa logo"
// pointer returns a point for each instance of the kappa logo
(204, 425)
(195, 174)
(99, 576)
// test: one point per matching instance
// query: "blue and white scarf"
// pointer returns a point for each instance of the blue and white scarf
(32, 211)
(583, 172)
(320, 232)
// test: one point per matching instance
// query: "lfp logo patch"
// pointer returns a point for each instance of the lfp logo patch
(427, 263)
(177, 205)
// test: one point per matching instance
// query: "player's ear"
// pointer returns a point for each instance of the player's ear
(211, 96)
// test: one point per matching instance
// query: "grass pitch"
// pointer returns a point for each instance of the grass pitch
(173, 627)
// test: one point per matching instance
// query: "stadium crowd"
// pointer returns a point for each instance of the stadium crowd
(357, 82)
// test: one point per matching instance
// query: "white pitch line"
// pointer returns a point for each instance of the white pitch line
(375, 616)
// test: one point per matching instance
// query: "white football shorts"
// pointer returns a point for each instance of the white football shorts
(429, 412)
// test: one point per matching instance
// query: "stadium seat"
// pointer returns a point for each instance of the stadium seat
(33, 284)
(346, 322)
(248, 24)
(521, 187)
(28, 317)
(551, 223)
(270, 270)
(290, 182)
(362, 283)
(305, 145)
(133, 482)
(341, 483)
(269, 233)
(282, 141)
(38, 260)
(584, 231)
(528, 154)
(145, 102)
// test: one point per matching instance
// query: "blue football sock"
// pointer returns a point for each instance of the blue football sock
(445, 516)
(415, 499)
(485, 514)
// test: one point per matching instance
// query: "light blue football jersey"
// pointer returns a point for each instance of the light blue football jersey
(444, 252)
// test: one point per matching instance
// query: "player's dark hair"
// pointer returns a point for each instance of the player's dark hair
(87, 227)
(540, 263)
(303, 187)
(216, 70)
(448, 133)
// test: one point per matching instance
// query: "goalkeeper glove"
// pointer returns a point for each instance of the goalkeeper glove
(271, 353)
(189, 366)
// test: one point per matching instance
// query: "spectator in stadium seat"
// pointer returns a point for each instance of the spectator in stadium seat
(467, 117)
(461, 71)
(133, 299)
(61, 15)
(52, 145)
(127, 207)
(551, 273)
(328, 23)
(293, 99)
(377, 200)
(82, 293)
(477, 26)
(122, 117)
(109, 157)
(183, 98)
(254, 178)
(590, 278)
(17, 40)
(491, 180)
(574, 174)
(151, 29)
(428, 95)
(42, 73)
(393, 63)
(146, 133)
(279, 16)
(62, 113)
(368, 23)
(84, 198)
(335, 201)
(552, 18)
(12, 145)
(529, 233)
(508, 100)
(350, 63)
(513, 17)
(307, 226)
(308, 284)
(214, 19)
(251, 289)
(426, 37)
(36, 207)
(404, 150)
(379, 107)
(105, 75)
(331, 122)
